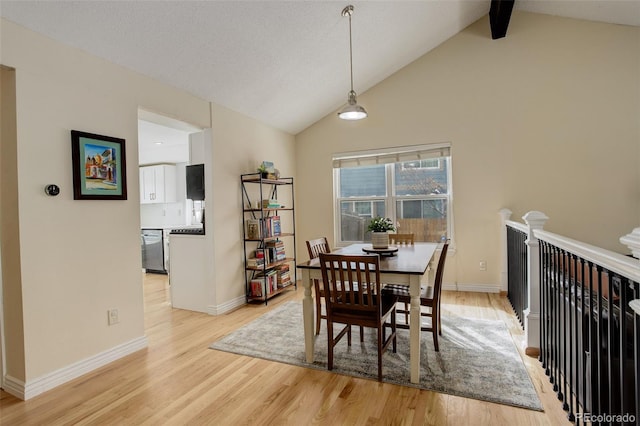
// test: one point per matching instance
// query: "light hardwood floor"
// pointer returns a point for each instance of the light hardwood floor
(178, 381)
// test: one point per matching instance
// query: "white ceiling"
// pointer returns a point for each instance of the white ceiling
(161, 144)
(285, 63)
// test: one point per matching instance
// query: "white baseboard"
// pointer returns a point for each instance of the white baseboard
(226, 306)
(480, 288)
(56, 378)
(13, 386)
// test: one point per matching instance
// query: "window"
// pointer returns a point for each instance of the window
(415, 192)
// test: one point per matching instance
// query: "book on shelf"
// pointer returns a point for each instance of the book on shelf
(275, 226)
(263, 228)
(283, 275)
(270, 204)
(275, 251)
(272, 226)
(256, 287)
(269, 279)
(254, 262)
(266, 227)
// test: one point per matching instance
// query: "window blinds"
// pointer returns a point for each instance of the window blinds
(390, 155)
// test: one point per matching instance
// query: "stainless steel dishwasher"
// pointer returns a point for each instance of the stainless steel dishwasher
(153, 251)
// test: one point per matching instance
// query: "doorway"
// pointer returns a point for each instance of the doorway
(166, 149)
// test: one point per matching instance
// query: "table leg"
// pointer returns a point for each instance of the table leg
(307, 313)
(414, 328)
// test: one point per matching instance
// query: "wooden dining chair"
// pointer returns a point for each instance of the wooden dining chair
(401, 239)
(429, 297)
(315, 247)
(353, 297)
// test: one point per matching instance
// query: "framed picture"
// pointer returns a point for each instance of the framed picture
(99, 167)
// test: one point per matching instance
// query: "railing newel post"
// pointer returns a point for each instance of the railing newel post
(635, 305)
(535, 220)
(632, 241)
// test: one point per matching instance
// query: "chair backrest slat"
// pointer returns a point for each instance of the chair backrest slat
(317, 246)
(351, 282)
(400, 239)
(342, 279)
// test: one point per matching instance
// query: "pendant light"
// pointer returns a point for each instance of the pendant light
(351, 111)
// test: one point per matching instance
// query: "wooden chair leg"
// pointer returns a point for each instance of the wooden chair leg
(435, 325)
(380, 343)
(393, 330)
(329, 346)
(435, 340)
(318, 307)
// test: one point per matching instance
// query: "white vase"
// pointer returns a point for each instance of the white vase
(380, 240)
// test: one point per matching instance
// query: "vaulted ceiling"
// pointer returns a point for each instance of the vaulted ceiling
(285, 63)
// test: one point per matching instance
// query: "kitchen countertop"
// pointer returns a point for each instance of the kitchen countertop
(169, 228)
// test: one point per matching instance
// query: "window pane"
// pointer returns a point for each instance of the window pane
(363, 208)
(426, 219)
(355, 217)
(367, 181)
(411, 209)
(424, 177)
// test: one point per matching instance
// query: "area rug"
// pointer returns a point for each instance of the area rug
(477, 358)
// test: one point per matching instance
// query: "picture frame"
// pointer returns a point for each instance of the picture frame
(99, 167)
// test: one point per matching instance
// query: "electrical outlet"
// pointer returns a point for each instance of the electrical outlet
(112, 315)
(483, 265)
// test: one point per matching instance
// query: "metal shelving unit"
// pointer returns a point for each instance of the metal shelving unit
(255, 188)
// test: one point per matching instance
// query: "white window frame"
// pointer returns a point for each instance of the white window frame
(438, 166)
(391, 197)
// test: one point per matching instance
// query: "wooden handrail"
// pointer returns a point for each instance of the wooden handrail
(615, 262)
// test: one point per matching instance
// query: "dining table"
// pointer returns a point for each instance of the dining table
(408, 265)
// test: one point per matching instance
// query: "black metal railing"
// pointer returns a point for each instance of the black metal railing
(587, 337)
(518, 287)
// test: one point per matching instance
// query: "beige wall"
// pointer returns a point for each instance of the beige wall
(240, 144)
(545, 119)
(76, 259)
(9, 234)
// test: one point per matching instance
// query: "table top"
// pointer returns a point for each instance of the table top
(408, 260)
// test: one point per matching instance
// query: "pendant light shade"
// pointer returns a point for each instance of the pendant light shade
(351, 111)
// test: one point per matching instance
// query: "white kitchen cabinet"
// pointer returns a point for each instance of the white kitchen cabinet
(196, 148)
(158, 184)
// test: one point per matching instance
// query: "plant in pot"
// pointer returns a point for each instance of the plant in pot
(262, 169)
(379, 228)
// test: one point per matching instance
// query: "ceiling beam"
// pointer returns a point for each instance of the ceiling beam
(499, 16)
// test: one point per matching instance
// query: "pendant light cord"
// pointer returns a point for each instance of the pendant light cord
(350, 52)
(348, 11)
